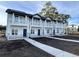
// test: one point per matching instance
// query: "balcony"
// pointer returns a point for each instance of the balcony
(19, 23)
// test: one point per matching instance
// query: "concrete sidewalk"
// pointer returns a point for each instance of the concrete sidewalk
(77, 41)
(51, 50)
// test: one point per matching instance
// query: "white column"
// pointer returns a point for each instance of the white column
(51, 23)
(52, 27)
(43, 28)
(45, 23)
(26, 20)
(32, 21)
(7, 27)
(13, 18)
(28, 28)
(41, 22)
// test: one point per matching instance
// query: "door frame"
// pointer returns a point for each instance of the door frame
(38, 32)
(24, 32)
(54, 32)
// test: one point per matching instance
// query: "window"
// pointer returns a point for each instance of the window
(47, 31)
(14, 31)
(16, 19)
(30, 21)
(22, 19)
(57, 30)
(36, 20)
(32, 31)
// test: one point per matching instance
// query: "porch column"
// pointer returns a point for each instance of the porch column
(54, 28)
(13, 18)
(26, 20)
(32, 21)
(51, 23)
(28, 28)
(40, 22)
(45, 23)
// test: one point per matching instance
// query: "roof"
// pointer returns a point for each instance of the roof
(21, 13)
(43, 18)
(10, 11)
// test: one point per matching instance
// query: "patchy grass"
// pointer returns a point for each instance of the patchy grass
(20, 48)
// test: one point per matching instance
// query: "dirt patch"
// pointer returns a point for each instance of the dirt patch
(63, 45)
(69, 37)
(20, 48)
(3, 39)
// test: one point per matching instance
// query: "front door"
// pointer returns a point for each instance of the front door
(24, 32)
(53, 32)
(38, 32)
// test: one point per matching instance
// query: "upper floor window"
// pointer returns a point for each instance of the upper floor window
(22, 19)
(48, 21)
(36, 19)
(16, 19)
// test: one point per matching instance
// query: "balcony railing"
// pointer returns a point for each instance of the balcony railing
(38, 23)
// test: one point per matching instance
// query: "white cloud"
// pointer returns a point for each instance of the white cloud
(41, 5)
(3, 18)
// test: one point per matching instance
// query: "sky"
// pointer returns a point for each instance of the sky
(32, 7)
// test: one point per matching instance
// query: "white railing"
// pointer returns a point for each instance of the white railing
(27, 22)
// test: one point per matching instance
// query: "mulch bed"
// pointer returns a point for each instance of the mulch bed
(20, 48)
(69, 37)
(63, 45)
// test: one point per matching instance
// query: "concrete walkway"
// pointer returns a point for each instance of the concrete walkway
(51, 50)
(77, 41)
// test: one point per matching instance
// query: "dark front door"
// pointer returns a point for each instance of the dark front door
(53, 32)
(38, 32)
(24, 32)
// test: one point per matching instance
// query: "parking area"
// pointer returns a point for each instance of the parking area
(70, 47)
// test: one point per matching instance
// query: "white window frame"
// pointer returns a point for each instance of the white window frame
(16, 19)
(57, 30)
(22, 19)
(48, 31)
(32, 31)
(14, 31)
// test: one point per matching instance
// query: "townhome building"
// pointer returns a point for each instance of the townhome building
(21, 24)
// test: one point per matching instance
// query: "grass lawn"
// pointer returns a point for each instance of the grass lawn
(63, 45)
(20, 48)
